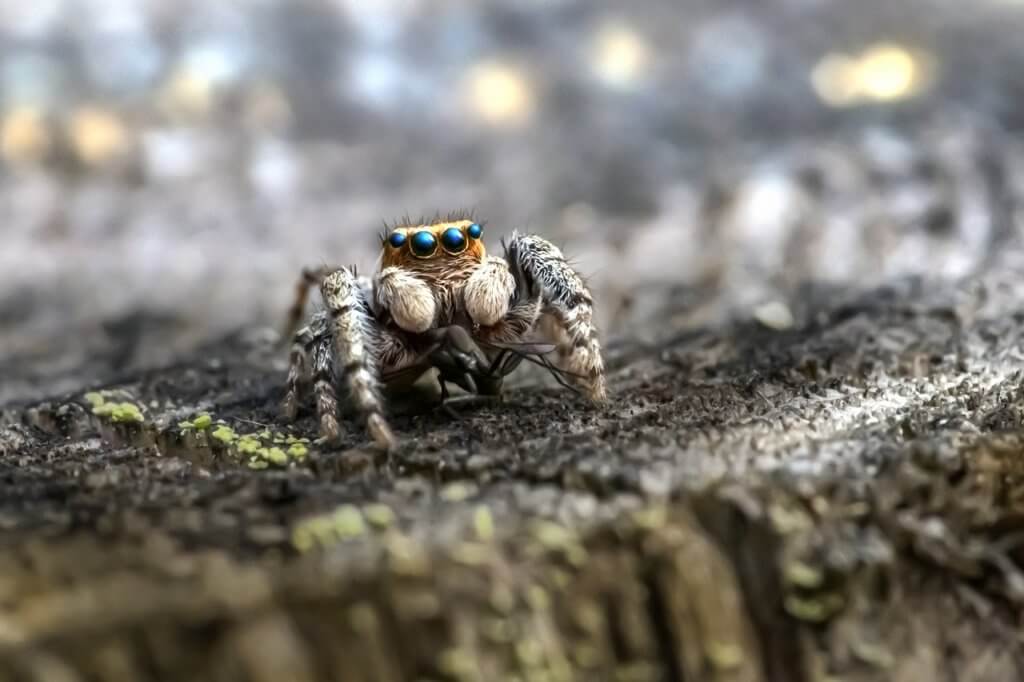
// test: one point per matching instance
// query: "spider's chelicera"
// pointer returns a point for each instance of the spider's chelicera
(438, 301)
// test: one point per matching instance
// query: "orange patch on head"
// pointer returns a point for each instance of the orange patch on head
(457, 241)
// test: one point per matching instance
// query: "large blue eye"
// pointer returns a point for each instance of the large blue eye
(453, 240)
(475, 231)
(396, 239)
(423, 244)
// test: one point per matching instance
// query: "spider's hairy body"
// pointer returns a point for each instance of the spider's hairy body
(438, 300)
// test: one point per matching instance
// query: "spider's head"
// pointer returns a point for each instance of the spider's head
(436, 250)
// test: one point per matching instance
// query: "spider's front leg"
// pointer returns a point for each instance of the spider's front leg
(539, 267)
(347, 343)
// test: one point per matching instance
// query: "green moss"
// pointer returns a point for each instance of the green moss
(298, 450)
(95, 399)
(202, 422)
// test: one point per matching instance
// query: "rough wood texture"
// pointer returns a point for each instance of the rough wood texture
(837, 499)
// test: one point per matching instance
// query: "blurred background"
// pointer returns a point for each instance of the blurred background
(166, 168)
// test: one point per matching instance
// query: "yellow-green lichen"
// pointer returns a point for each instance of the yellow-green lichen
(261, 450)
(123, 412)
(498, 630)
(816, 609)
(248, 444)
(224, 434)
(552, 535)
(406, 556)
(503, 600)
(348, 521)
(529, 652)
(586, 655)
(651, 518)
(538, 598)
(458, 663)
(471, 554)
(872, 654)
(363, 618)
(483, 523)
(323, 530)
(379, 515)
(95, 399)
(800, 574)
(457, 492)
(589, 617)
(724, 655)
(274, 455)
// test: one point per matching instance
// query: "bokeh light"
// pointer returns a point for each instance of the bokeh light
(24, 137)
(884, 72)
(499, 93)
(620, 55)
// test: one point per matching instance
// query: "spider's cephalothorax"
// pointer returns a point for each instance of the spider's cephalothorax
(439, 301)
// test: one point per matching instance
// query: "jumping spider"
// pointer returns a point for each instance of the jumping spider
(439, 301)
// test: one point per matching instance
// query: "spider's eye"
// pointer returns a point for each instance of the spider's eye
(453, 240)
(396, 239)
(424, 244)
(475, 231)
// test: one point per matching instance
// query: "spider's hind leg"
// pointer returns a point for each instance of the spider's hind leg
(298, 371)
(310, 277)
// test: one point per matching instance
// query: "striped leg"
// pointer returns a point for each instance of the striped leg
(298, 370)
(355, 354)
(540, 267)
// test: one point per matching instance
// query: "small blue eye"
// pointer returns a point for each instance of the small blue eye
(475, 231)
(453, 240)
(423, 244)
(396, 239)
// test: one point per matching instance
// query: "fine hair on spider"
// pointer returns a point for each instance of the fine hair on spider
(438, 300)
